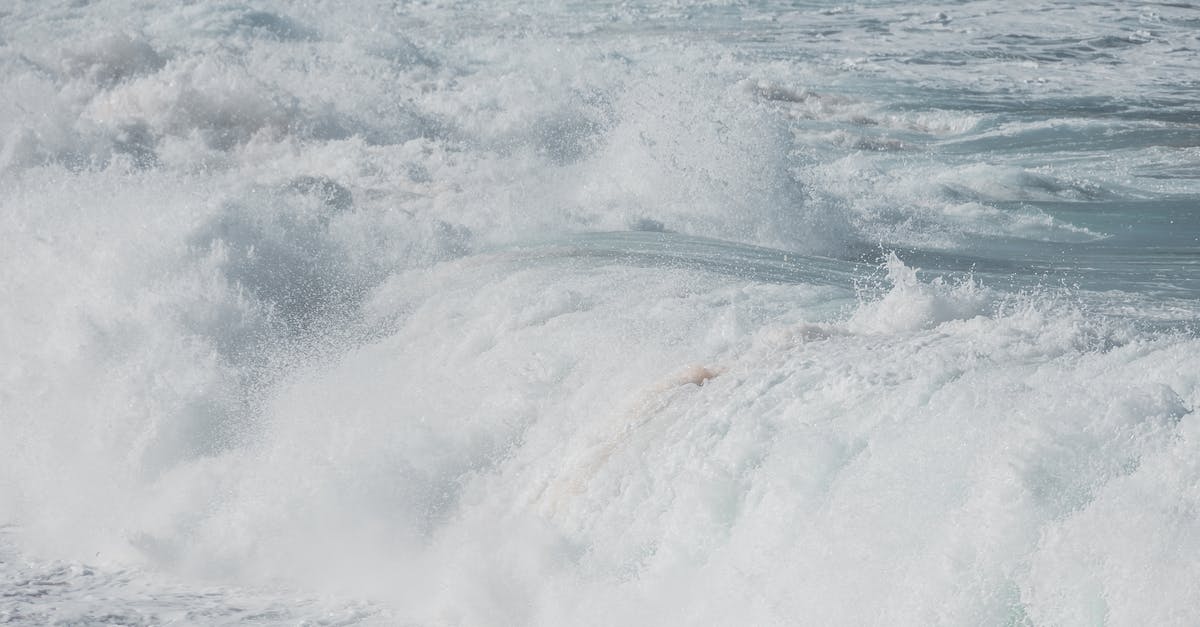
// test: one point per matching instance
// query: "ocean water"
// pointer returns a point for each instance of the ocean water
(599, 313)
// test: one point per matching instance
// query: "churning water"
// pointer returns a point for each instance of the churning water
(707, 313)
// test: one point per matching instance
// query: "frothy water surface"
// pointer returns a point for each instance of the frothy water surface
(599, 313)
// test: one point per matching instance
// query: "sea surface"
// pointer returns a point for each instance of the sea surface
(599, 313)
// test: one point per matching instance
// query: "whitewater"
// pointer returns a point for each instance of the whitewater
(599, 313)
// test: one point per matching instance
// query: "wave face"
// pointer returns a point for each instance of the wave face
(599, 313)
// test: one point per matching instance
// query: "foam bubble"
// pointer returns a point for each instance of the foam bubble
(911, 305)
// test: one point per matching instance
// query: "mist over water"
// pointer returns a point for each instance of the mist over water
(599, 313)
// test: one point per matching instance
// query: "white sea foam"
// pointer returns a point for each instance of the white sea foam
(569, 315)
